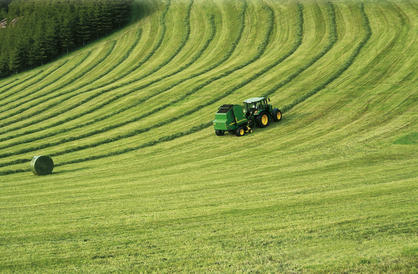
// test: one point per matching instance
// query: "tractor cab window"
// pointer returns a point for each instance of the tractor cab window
(253, 106)
(248, 106)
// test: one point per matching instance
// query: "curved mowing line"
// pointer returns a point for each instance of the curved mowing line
(8, 83)
(192, 61)
(165, 138)
(65, 140)
(126, 55)
(332, 39)
(225, 58)
(32, 92)
(81, 61)
(27, 79)
(202, 126)
(208, 124)
(261, 50)
(144, 60)
(150, 54)
(162, 35)
(343, 68)
(122, 151)
(396, 40)
(21, 118)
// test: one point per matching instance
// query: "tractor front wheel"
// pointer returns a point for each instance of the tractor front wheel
(262, 120)
(219, 132)
(240, 131)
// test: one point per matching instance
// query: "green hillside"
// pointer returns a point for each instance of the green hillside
(141, 182)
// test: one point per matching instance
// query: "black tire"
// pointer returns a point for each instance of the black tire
(277, 114)
(219, 132)
(240, 131)
(262, 120)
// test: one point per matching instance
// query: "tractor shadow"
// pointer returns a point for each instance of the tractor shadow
(290, 119)
(287, 120)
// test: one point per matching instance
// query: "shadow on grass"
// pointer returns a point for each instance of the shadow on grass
(68, 171)
(142, 9)
(410, 139)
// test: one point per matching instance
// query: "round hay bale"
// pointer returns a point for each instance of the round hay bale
(42, 165)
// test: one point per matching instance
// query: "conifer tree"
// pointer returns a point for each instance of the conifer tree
(106, 17)
(15, 58)
(37, 30)
(67, 29)
(84, 29)
(121, 10)
(3, 14)
(4, 63)
(94, 11)
(51, 37)
(37, 53)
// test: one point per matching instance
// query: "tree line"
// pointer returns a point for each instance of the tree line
(33, 32)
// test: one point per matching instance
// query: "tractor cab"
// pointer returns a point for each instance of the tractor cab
(254, 105)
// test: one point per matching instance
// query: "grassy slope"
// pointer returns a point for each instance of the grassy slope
(137, 186)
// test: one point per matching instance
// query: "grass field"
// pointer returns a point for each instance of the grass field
(141, 182)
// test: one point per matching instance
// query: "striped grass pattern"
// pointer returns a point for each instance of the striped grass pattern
(141, 183)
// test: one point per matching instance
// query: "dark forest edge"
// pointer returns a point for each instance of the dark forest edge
(33, 32)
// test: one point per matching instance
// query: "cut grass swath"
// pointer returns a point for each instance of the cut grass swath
(204, 125)
(69, 82)
(126, 56)
(32, 92)
(342, 69)
(103, 57)
(332, 39)
(224, 59)
(104, 117)
(5, 88)
(5, 83)
(77, 64)
(262, 47)
(158, 44)
(82, 59)
(261, 50)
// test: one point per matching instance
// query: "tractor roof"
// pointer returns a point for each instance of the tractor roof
(254, 100)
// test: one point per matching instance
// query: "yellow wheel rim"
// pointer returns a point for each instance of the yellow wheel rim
(264, 119)
(241, 132)
(279, 115)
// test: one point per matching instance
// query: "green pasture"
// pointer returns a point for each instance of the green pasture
(141, 182)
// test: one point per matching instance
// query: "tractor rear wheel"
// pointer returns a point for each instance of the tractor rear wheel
(262, 120)
(240, 131)
(219, 132)
(277, 115)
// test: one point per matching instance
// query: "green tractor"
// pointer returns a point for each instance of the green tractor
(240, 120)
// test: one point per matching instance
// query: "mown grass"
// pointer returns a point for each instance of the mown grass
(142, 183)
(410, 139)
